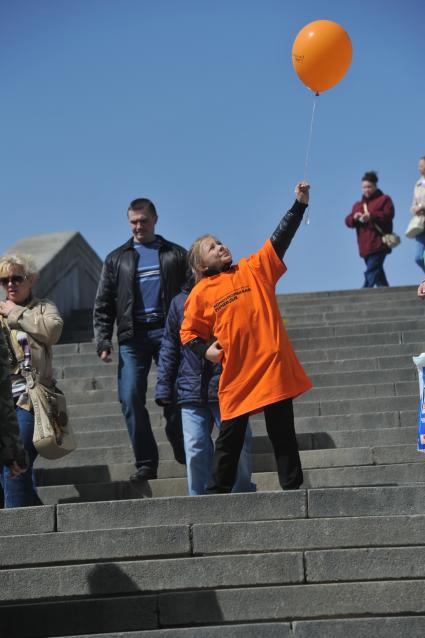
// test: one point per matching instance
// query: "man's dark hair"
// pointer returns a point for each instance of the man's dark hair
(422, 158)
(370, 176)
(143, 204)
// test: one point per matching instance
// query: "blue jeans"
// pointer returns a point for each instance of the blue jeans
(198, 422)
(21, 491)
(135, 359)
(420, 247)
(374, 273)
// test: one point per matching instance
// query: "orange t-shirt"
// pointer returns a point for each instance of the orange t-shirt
(240, 309)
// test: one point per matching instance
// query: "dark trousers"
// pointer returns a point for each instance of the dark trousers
(374, 273)
(280, 428)
(135, 360)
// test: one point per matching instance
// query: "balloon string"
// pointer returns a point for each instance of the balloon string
(307, 155)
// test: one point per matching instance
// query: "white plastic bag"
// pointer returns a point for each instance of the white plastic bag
(419, 362)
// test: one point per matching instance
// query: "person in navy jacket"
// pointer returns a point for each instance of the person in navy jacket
(371, 217)
(193, 382)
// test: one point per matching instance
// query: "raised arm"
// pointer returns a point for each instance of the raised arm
(288, 225)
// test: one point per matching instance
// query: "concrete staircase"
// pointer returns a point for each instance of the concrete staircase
(342, 558)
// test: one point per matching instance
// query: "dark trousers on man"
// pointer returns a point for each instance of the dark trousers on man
(135, 360)
(280, 428)
(374, 273)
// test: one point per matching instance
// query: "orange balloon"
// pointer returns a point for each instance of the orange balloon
(321, 54)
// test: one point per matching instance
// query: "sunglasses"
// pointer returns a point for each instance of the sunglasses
(14, 279)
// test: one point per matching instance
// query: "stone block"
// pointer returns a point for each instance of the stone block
(118, 578)
(366, 501)
(295, 601)
(383, 627)
(183, 511)
(27, 520)
(365, 564)
(99, 545)
(304, 534)
(97, 615)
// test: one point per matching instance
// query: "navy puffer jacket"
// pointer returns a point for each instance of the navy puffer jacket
(181, 372)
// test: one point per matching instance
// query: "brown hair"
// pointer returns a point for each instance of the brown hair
(370, 176)
(143, 204)
(194, 257)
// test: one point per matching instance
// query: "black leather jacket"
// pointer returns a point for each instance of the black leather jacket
(116, 291)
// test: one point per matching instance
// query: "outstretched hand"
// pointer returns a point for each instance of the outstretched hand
(302, 192)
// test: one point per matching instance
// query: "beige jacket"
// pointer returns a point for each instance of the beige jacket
(43, 324)
(418, 196)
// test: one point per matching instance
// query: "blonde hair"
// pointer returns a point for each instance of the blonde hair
(194, 257)
(24, 262)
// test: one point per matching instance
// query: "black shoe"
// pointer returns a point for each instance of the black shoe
(144, 474)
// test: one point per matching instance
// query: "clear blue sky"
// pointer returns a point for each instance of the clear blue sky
(195, 104)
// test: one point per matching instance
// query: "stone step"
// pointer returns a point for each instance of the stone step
(401, 388)
(381, 338)
(325, 353)
(306, 332)
(300, 318)
(357, 328)
(380, 627)
(336, 503)
(307, 534)
(342, 565)
(152, 512)
(119, 461)
(309, 424)
(261, 442)
(96, 545)
(141, 543)
(211, 608)
(301, 408)
(118, 578)
(316, 367)
(345, 307)
(372, 475)
(319, 380)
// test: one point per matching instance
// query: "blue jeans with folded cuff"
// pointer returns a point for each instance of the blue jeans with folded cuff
(21, 491)
(198, 422)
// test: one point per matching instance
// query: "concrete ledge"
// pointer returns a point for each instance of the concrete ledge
(263, 630)
(98, 616)
(146, 576)
(365, 564)
(295, 601)
(304, 534)
(182, 510)
(27, 520)
(73, 547)
(366, 501)
(410, 626)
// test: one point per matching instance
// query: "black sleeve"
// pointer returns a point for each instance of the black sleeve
(104, 312)
(287, 228)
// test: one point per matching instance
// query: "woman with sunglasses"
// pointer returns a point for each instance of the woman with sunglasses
(30, 326)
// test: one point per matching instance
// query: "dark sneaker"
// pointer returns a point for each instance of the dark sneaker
(144, 474)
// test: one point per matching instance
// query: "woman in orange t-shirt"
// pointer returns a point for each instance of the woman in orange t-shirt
(232, 316)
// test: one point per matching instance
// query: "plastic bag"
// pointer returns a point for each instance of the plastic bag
(419, 362)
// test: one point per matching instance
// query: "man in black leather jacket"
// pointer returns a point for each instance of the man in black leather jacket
(138, 281)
